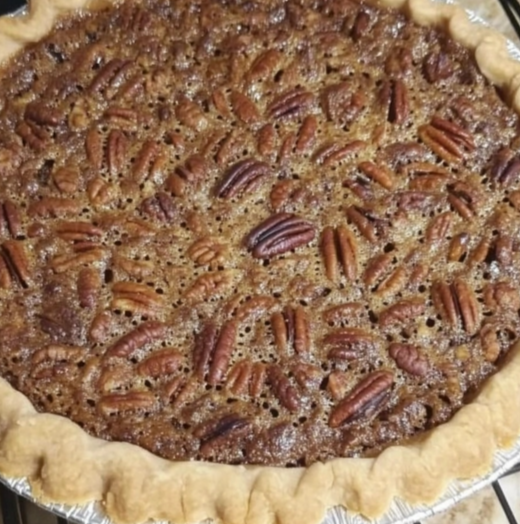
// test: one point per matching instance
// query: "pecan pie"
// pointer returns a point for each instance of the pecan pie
(279, 233)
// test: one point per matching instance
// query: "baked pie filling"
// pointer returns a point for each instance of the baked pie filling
(255, 232)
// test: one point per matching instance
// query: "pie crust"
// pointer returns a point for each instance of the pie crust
(64, 464)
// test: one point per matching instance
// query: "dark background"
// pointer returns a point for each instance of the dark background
(8, 6)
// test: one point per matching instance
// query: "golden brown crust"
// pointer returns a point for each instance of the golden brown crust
(65, 464)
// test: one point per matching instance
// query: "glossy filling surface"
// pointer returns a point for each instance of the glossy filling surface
(260, 233)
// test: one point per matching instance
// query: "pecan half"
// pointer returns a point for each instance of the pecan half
(238, 378)
(337, 384)
(107, 74)
(147, 333)
(10, 218)
(343, 312)
(402, 312)
(365, 400)
(339, 247)
(208, 251)
(160, 207)
(42, 114)
(244, 108)
(160, 363)
(438, 228)
(213, 350)
(101, 193)
(361, 26)
(464, 198)
(16, 263)
(137, 298)
(284, 193)
(278, 234)
(57, 353)
(117, 146)
(266, 140)
(306, 134)
(426, 176)
(307, 376)
(457, 304)
(211, 284)
(501, 296)
(147, 163)
(265, 65)
(447, 140)
(246, 378)
(399, 61)
(94, 148)
(291, 329)
(480, 252)
(349, 343)
(242, 177)
(394, 97)
(505, 167)
(377, 267)
(282, 388)
(100, 327)
(190, 114)
(66, 179)
(368, 224)
(89, 285)
(331, 153)
(191, 172)
(459, 247)
(408, 358)
(437, 66)
(490, 342)
(219, 433)
(380, 174)
(78, 231)
(64, 263)
(126, 402)
(35, 137)
(289, 104)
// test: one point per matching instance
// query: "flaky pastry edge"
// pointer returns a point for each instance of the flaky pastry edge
(63, 464)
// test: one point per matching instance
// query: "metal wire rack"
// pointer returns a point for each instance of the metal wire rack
(17, 510)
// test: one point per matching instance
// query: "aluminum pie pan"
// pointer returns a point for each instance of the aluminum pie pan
(400, 512)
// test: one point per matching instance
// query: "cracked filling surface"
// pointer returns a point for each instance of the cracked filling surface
(254, 232)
